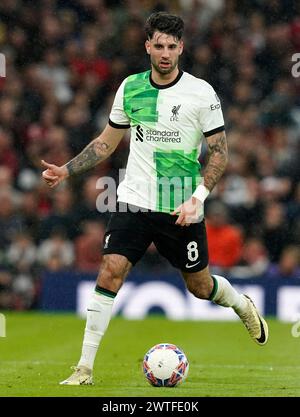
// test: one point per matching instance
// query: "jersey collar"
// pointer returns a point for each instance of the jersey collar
(163, 86)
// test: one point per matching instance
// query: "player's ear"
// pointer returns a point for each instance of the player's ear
(181, 45)
(147, 46)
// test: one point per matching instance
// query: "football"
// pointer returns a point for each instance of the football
(165, 365)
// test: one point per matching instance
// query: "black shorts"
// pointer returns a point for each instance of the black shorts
(129, 234)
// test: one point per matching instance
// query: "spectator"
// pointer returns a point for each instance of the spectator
(29, 214)
(275, 231)
(52, 69)
(6, 179)
(276, 108)
(57, 145)
(22, 259)
(79, 130)
(56, 252)
(86, 209)
(61, 215)
(6, 293)
(35, 141)
(88, 246)
(11, 222)
(89, 63)
(8, 156)
(24, 291)
(254, 260)
(21, 253)
(288, 265)
(224, 240)
(293, 215)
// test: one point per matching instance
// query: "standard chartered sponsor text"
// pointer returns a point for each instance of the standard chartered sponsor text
(153, 135)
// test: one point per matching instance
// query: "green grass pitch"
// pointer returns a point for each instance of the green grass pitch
(224, 362)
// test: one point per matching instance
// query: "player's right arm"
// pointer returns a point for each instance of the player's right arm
(95, 152)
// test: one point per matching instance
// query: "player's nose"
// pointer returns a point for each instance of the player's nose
(166, 53)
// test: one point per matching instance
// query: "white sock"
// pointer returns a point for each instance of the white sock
(225, 295)
(98, 317)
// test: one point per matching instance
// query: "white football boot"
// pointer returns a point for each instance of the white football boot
(254, 323)
(81, 376)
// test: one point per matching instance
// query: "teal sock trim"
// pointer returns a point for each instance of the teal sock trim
(104, 291)
(215, 289)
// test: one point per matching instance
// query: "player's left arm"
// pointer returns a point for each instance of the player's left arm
(217, 159)
(215, 167)
(212, 125)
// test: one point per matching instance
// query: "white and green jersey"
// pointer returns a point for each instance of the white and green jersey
(167, 126)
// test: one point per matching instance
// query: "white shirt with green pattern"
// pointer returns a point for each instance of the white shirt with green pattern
(168, 123)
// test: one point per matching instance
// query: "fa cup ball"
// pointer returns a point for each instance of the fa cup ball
(165, 365)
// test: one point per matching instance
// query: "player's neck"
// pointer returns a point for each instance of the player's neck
(163, 79)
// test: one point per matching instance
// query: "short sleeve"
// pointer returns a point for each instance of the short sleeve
(211, 115)
(118, 118)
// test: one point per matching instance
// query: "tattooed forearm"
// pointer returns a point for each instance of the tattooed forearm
(91, 155)
(218, 157)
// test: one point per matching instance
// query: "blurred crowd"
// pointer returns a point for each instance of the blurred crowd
(64, 61)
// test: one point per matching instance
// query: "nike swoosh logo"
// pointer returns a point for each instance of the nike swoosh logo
(135, 110)
(262, 332)
(191, 266)
(262, 338)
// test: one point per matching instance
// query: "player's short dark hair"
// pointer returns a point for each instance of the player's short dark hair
(165, 23)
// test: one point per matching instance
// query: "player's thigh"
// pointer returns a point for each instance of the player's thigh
(184, 247)
(128, 234)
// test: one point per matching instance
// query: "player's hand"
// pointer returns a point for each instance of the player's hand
(188, 212)
(53, 174)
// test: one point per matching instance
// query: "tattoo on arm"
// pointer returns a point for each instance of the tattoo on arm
(218, 157)
(91, 155)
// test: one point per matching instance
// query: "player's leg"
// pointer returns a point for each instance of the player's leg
(114, 270)
(213, 287)
(125, 241)
(186, 249)
(219, 290)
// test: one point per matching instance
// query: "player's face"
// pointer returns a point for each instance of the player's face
(164, 51)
